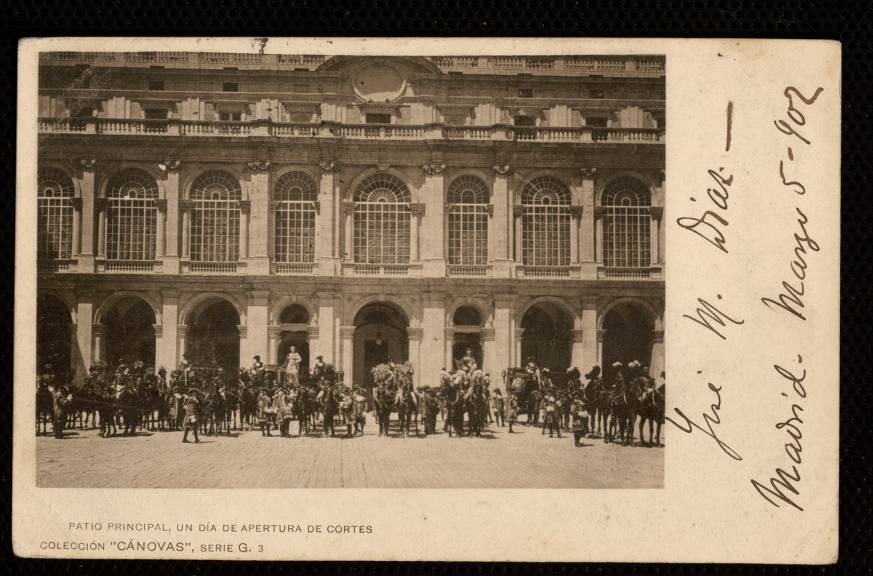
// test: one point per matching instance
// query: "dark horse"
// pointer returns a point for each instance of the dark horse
(383, 404)
(652, 410)
(330, 407)
(407, 409)
(127, 403)
(477, 408)
(44, 407)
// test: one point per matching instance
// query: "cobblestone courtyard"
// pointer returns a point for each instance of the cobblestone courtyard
(524, 459)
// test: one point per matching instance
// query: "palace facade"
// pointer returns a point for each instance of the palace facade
(359, 208)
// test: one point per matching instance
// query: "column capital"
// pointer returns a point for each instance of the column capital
(347, 331)
(576, 211)
(449, 332)
(162, 204)
(588, 173)
(577, 334)
(328, 166)
(97, 329)
(502, 169)
(245, 205)
(243, 330)
(169, 166)
(257, 166)
(433, 168)
(417, 208)
(600, 334)
(488, 334)
(589, 303)
(159, 330)
(657, 212)
(658, 336)
(273, 330)
(77, 202)
(517, 210)
(88, 164)
(182, 329)
(313, 331)
(415, 333)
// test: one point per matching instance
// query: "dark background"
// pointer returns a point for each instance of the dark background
(849, 22)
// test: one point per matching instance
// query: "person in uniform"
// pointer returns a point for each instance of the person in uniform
(282, 411)
(511, 410)
(192, 414)
(61, 401)
(257, 365)
(580, 420)
(264, 411)
(497, 407)
(292, 367)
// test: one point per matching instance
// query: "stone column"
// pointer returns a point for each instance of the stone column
(433, 238)
(273, 345)
(657, 363)
(500, 224)
(655, 236)
(503, 333)
(601, 334)
(88, 240)
(587, 231)
(415, 337)
(417, 210)
(577, 350)
(575, 221)
(517, 213)
(81, 352)
(598, 234)
(449, 343)
(160, 236)
(324, 222)
(102, 207)
(347, 333)
(517, 354)
(257, 321)
(490, 356)
(77, 227)
(166, 336)
(326, 319)
(590, 349)
(433, 338)
(258, 220)
(348, 210)
(244, 210)
(98, 347)
(186, 229)
(182, 341)
(171, 224)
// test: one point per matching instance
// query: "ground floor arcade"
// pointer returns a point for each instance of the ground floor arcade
(354, 326)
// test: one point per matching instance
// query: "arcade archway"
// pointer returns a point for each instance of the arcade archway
(547, 337)
(53, 336)
(380, 336)
(627, 336)
(129, 332)
(213, 335)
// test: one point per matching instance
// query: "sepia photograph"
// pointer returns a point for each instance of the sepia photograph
(312, 271)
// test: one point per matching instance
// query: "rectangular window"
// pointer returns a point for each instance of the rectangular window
(524, 121)
(596, 121)
(378, 118)
(230, 87)
(156, 85)
(230, 116)
(525, 93)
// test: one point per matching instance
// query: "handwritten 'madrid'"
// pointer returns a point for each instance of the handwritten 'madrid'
(786, 301)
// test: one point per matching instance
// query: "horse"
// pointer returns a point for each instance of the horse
(44, 407)
(248, 404)
(128, 407)
(534, 400)
(407, 405)
(459, 406)
(360, 411)
(448, 396)
(214, 413)
(477, 408)
(651, 409)
(383, 403)
(594, 401)
(347, 412)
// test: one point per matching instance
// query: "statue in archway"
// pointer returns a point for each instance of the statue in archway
(292, 367)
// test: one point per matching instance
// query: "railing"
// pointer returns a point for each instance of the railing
(53, 265)
(381, 269)
(623, 272)
(129, 266)
(293, 268)
(572, 65)
(175, 127)
(545, 271)
(466, 271)
(213, 267)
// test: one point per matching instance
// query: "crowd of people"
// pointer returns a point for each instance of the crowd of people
(209, 400)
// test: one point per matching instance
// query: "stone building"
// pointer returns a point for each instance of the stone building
(359, 208)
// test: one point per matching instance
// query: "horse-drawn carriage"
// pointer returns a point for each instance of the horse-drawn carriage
(525, 387)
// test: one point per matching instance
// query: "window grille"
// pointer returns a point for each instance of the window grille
(132, 219)
(215, 215)
(545, 223)
(627, 222)
(381, 221)
(54, 191)
(468, 222)
(295, 197)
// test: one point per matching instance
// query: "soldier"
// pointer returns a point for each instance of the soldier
(282, 411)
(62, 399)
(257, 365)
(192, 414)
(497, 407)
(264, 411)
(511, 410)
(580, 420)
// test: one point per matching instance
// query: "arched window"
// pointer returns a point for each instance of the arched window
(627, 220)
(54, 192)
(545, 223)
(381, 221)
(294, 314)
(295, 197)
(466, 316)
(215, 198)
(132, 220)
(468, 222)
